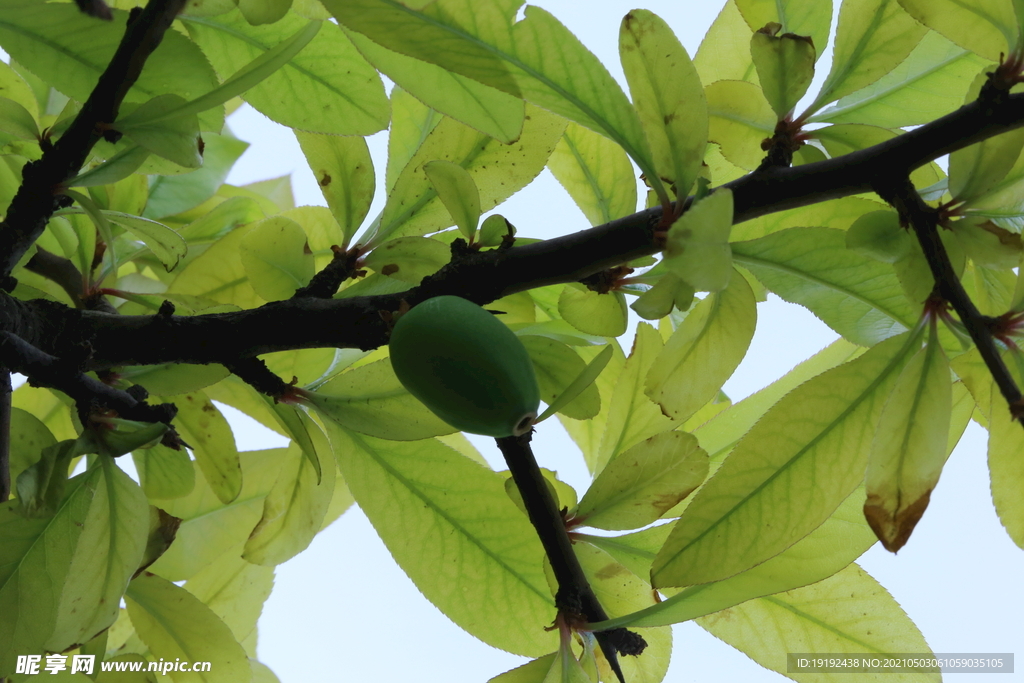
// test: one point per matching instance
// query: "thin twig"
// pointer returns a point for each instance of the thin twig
(40, 192)
(45, 370)
(575, 597)
(923, 219)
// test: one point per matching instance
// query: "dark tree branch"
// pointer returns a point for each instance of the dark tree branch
(924, 220)
(255, 373)
(45, 370)
(61, 271)
(40, 192)
(325, 283)
(575, 599)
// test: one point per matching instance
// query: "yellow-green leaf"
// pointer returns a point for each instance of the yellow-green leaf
(739, 119)
(697, 248)
(175, 625)
(872, 37)
(1006, 466)
(641, 484)
(785, 67)
(344, 171)
(668, 97)
(703, 352)
(450, 526)
(846, 613)
(457, 191)
(598, 314)
(293, 511)
(788, 474)
(812, 18)
(986, 27)
(596, 173)
(203, 427)
(277, 258)
(909, 448)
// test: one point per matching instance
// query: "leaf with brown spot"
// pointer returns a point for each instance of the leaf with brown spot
(909, 447)
(643, 482)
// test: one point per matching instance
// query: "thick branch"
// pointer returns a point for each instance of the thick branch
(923, 219)
(39, 195)
(310, 322)
(48, 371)
(575, 598)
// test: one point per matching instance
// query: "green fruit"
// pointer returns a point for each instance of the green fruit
(466, 367)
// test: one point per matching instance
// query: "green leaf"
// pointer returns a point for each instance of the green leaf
(929, 83)
(69, 50)
(986, 27)
(326, 88)
(668, 97)
(277, 258)
(106, 556)
(739, 119)
(498, 171)
(632, 416)
(837, 213)
(846, 613)
(211, 528)
(724, 54)
(976, 170)
(166, 244)
(856, 296)
(641, 484)
(116, 168)
(16, 120)
(344, 172)
(176, 139)
(596, 173)
(703, 352)
(811, 18)
(35, 558)
(235, 591)
(880, 236)
(1006, 466)
(263, 11)
(840, 540)
(566, 382)
(206, 431)
(587, 433)
(785, 67)
(697, 247)
(28, 437)
(668, 292)
(218, 274)
(446, 519)
(458, 193)
(176, 625)
(537, 59)
(173, 194)
(164, 472)
(986, 244)
(872, 37)
(909, 448)
(370, 400)
(788, 474)
(603, 315)
(842, 139)
(409, 259)
(486, 109)
(294, 509)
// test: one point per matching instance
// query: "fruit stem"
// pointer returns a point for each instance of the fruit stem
(575, 599)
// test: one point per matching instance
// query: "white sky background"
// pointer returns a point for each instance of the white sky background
(344, 611)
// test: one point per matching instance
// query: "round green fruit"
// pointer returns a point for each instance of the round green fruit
(466, 366)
